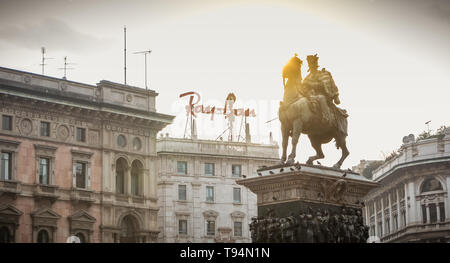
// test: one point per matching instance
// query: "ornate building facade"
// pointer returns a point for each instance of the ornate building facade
(77, 159)
(198, 196)
(412, 204)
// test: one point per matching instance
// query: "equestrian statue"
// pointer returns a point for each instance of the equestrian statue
(309, 107)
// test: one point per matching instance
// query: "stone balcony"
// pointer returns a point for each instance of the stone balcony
(10, 187)
(82, 195)
(46, 192)
(416, 230)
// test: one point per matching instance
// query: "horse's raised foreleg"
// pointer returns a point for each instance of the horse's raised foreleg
(285, 138)
(317, 145)
(340, 143)
(296, 130)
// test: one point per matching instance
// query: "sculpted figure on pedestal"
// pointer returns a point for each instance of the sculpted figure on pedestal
(309, 108)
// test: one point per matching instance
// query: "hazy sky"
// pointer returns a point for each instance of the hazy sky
(390, 59)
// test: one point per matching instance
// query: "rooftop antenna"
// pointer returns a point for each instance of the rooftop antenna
(428, 125)
(65, 68)
(43, 59)
(125, 53)
(145, 52)
(192, 126)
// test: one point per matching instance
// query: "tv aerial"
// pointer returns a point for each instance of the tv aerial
(65, 68)
(145, 52)
(43, 59)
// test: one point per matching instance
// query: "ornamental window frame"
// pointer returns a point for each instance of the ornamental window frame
(10, 122)
(239, 191)
(11, 147)
(85, 158)
(48, 152)
(210, 216)
(185, 216)
(81, 222)
(233, 169)
(180, 191)
(213, 168)
(238, 217)
(45, 219)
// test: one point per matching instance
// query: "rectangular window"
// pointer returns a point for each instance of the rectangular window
(181, 167)
(45, 129)
(236, 170)
(7, 122)
(378, 205)
(182, 192)
(371, 208)
(237, 229)
(44, 170)
(209, 169)
(237, 195)
(5, 173)
(81, 135)
(210, 228)
(210, 194)
(403, 218)
(433, 213)
(80, 169)
(441, 212)
(395, 223)
(380, 229)
(182, 227)
(424, 214)
(387, 226)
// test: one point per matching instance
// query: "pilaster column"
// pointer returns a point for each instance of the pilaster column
(391, 219)
(127, 180)
(405, 190)
(438, 213)
(376, 217)
(383, 218)
(413, 213)
(399, 220)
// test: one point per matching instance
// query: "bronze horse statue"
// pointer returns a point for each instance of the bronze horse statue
(297, 116)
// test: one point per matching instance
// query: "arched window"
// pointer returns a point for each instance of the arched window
(128, 229)
(430, 185)
(121, 168)
(136, 177)
(43, 237)
(4, 235)
(81, 237)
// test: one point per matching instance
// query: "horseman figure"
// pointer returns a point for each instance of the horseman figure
(309, 108)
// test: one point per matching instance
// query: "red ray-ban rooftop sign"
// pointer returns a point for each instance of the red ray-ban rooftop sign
(227, 110)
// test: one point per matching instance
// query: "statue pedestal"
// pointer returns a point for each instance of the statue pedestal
(284, 191)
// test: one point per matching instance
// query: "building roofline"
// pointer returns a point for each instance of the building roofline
(398, 167)
(24, 90)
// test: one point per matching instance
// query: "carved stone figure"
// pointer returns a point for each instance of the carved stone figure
(311, 226)
(253, 226)
(324, 227)
(308, 108)
(302, 226)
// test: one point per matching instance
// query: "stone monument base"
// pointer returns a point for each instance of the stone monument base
(307, 203)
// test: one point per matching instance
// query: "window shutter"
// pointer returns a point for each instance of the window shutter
(88, 177)
(74, 175)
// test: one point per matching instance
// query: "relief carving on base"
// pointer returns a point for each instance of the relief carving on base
(333, 191)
